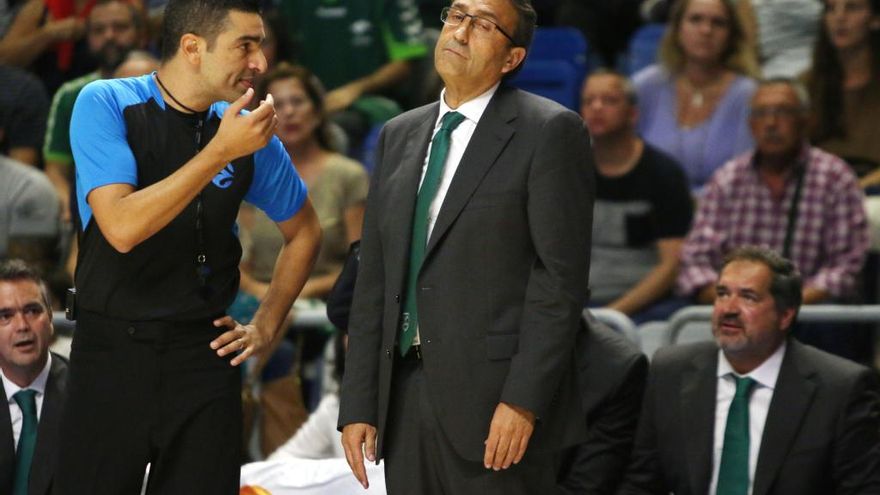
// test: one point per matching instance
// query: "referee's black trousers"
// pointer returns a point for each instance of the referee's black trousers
(149, 392)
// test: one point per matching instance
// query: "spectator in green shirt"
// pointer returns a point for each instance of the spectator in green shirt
(113, 28)
(363, 50)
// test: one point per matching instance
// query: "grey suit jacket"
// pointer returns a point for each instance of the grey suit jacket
(822, 434)
(43, 464)
(504, 278)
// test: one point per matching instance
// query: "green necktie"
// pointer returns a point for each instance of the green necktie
(409, 321)
(733, 475)
(27, 441)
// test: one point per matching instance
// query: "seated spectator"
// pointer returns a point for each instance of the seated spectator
(337, 188)
(137, 63)
(46, 37)
(337, 185)
(33, 382)
(643, 206)
(318, 437)
(113, 28)
(694, 104)
(29, 210)
(844, 85)
(613, 374)
(360, 51)
(23, 110)
(782, 33)
(785, 195)
(756, 412)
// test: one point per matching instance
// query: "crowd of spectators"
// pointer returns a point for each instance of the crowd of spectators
(755, 126)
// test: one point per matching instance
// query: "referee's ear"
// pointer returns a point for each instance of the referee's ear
(191, 47)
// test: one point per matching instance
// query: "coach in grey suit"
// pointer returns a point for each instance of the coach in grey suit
(486, 395)
(818, 424)
(25, 333)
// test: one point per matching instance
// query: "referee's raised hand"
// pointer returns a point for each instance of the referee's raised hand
(240, 133)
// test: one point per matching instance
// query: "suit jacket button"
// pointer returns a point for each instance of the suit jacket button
(397, 298)
(388, 353)
(131, 330)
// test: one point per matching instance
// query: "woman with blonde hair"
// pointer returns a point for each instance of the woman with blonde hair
(694, 104)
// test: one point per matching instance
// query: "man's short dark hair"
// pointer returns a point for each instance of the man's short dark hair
(15, 270)
(526, 19)
(205, 18)
(525, 23)
(137, 18)
(629, 90)
(785, 284)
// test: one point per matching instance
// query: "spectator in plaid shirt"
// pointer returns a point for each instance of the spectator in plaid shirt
(749, 202)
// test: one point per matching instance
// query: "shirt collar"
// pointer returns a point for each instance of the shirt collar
(471, 109)
(803, 158)
(765, 374)
(38, 385)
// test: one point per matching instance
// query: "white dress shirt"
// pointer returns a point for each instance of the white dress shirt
(461, 136)
(38, 385)
(765, 377)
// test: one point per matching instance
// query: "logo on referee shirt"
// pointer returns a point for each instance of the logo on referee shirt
(225, 177)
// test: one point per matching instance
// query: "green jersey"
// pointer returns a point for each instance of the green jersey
(345, 40)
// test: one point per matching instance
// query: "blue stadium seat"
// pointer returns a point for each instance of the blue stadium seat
(367, 153)
(553, 79)
(544, 71)
(643, 46)
(561, 43)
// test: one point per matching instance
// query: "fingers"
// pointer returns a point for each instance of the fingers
(229, 342)
(264, 111)
(245, 353)
(352, 442)
(370, 448)
(226, 321)
(509, 435)
(491, 446)
(523, 444)
(506, 455)
(241, 103)
(503, 445)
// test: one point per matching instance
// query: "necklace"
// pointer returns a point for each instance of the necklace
(698, 93)
(696, 98)
(175, 100)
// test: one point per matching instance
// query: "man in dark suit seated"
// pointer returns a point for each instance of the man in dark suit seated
(764, 415)
(612, 373)
(33, 382)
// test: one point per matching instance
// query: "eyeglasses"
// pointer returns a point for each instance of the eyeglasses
(481, 25)
(787, 111)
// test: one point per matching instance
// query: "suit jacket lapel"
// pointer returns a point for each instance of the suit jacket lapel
(791, 399)
(402, 189)
(49, 429)
(698, 417)
(489, 139)
(7, 445)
